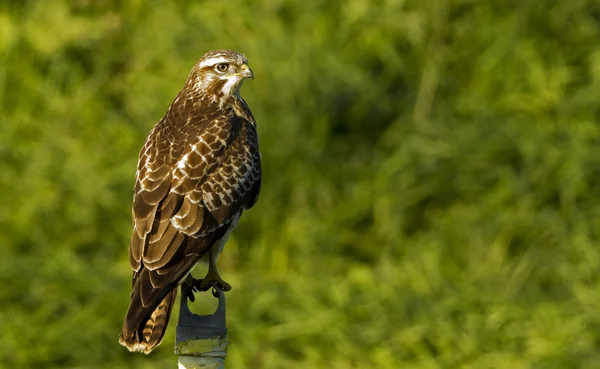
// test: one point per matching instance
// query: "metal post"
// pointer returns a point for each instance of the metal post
(201, 340)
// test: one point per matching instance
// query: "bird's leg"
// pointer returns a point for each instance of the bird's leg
(189, 288)
(205, 283)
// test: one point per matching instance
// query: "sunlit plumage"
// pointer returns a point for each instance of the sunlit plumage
(198, 170)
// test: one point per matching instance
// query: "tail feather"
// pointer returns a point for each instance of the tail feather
(150, 334)
(152, 299)
(153, 294)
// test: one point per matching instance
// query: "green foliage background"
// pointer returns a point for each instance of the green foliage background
(431, 185)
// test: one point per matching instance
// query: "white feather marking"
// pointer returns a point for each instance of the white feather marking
(183, 162)
(231, 83)
(201, 84)
(213, 61)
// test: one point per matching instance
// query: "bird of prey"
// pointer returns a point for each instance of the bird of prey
(197, 172)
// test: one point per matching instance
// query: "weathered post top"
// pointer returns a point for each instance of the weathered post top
(201, 340)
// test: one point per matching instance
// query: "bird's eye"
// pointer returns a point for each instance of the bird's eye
(222, 67)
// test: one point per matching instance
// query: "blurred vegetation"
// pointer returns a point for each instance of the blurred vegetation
(431, 179)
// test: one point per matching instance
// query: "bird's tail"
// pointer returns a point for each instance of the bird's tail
(150, 332)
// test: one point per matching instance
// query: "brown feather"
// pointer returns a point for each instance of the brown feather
(157, 251)
(142, 209)
(153, 196)
(161, 173)
(135, 250)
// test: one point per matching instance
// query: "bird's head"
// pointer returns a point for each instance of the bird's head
(219, 74)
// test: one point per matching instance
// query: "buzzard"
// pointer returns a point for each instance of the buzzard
(197, 172)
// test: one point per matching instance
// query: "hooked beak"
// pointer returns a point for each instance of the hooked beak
(247, 72)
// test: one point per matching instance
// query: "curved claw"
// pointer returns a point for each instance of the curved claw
(206, 283)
